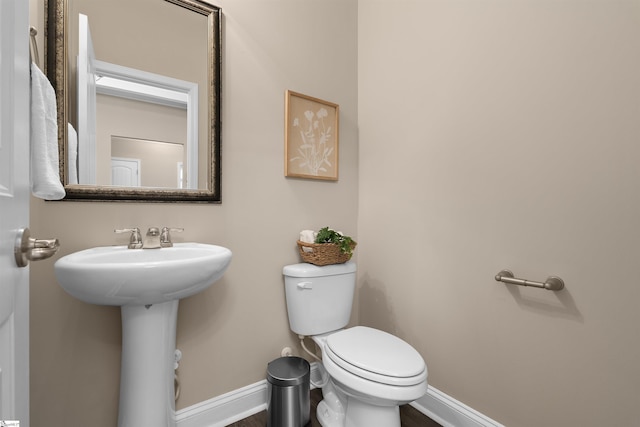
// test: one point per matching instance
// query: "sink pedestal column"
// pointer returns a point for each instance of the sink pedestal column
(147, 374)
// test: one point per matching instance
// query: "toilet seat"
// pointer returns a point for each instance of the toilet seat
(376, 356)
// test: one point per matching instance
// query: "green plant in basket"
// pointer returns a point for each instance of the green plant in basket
(327, 235)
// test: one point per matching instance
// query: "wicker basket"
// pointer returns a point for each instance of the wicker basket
(323, 253)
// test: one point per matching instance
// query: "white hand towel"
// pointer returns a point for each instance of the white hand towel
(72, 157)
(307, 236)
(45, 174)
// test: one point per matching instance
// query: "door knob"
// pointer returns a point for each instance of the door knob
(29, 249)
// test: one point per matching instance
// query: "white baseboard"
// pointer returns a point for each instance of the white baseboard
(449, 412)
(228, 408)
(238, 404)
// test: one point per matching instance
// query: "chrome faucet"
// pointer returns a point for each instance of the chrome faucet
(152, 239)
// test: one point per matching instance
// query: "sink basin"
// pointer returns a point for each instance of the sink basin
(116, 275)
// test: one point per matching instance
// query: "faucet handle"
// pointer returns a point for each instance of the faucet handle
(135, 241)
(165, 236)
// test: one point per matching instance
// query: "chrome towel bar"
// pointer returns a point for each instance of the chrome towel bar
(552, 283)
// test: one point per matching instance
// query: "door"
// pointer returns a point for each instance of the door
(125, 172)
(86, 104)
(14, 209)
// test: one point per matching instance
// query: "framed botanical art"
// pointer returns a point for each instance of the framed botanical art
(311, 137)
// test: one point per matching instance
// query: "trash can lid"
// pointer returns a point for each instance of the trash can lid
(288, 371)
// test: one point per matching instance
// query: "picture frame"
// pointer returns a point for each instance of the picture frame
(311, 137)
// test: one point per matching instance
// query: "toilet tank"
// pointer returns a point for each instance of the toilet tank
(319, 299)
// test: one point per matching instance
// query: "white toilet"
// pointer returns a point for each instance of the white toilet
(370, 372)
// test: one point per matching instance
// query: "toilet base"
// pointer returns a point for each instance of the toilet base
(330, 411)
(340, 410)
(361, 414)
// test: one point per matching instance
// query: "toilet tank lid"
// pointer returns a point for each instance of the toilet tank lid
(310, 270)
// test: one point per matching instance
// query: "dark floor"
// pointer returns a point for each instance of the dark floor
(409, 416)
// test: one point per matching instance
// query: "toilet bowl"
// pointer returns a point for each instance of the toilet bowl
(370, 372)
(375, 372)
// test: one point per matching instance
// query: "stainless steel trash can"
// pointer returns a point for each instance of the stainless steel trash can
(288, 392)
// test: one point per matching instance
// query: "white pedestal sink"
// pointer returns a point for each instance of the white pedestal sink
(147, 284)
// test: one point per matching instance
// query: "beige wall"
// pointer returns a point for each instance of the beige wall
(504, 134)
(231, 331)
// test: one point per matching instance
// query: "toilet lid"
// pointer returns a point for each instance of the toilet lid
(376, 355)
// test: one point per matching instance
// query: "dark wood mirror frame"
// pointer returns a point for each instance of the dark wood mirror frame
(56, 47)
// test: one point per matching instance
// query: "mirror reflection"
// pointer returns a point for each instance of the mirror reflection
(163, 163)
(140, 97)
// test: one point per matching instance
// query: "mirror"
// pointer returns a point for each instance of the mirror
(137, 84)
